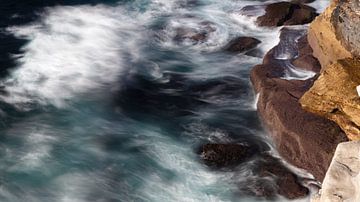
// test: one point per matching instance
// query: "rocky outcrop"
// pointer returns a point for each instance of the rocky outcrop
(241, 44)
(304, 139)
(286, 13)
(266, 167)
(342, 180)
(322, 39)
(334, 96)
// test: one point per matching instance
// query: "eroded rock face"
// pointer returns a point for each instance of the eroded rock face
(286, 13)
(322, 39)
(334, 96)
(341, 182)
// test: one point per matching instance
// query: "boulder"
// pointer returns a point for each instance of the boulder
(334, 96)
(241, 44)
(342, 180)
(286, 13)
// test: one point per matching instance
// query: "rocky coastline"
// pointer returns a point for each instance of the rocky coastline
(309, 118)
(307, 100)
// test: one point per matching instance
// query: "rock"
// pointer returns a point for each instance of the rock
(306, 60)
(304, 139)
(342, 180)
(345, 19)
(285, 182)
(197, 35)
(224, 155)
(286, 13)
(334, 96)
(241, 44)
(322, 39)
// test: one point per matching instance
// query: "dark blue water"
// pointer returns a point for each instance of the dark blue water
(101, 101)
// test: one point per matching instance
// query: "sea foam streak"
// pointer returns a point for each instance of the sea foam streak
(72, 50)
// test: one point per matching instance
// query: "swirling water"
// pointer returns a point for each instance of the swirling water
(100, 102)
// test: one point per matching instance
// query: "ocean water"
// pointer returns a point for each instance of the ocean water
(101, 100)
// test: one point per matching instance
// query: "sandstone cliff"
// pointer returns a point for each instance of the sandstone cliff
(336, 45)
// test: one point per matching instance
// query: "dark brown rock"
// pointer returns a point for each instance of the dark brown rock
(286, 13)
(303, 139)
(224, 155)
(242, 44)
(287, 182)
(274, 177)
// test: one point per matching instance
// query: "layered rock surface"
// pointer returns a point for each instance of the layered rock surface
(322, 39)
(334, 38)
(334, 96)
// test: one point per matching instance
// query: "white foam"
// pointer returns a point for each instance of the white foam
(294, 73)
(72, 50)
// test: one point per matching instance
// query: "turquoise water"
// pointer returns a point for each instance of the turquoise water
(100, 103)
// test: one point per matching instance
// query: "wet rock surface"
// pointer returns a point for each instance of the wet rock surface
(302, 138)
(242, 44)
(286, 13)
(266, 167)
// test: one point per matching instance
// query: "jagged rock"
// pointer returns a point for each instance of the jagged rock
(342, 180)
(346, 18)
(304, 139)
(334, 96)
(286, 13)
(322, 39)
(242, 44)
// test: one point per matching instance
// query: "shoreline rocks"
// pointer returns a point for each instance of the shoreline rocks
(272, 176)
(304, 139)
(334, 95)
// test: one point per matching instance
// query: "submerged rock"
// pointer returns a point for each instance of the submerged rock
(223, 155)
(334, 96)
(342, 180)
(286, 13)
(285, 182)
(241, 44)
